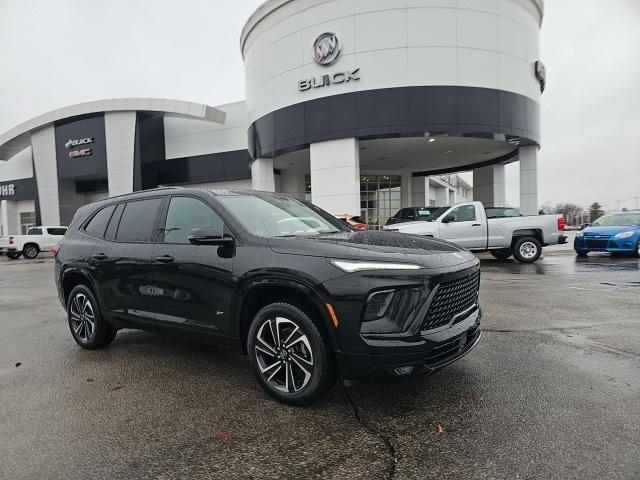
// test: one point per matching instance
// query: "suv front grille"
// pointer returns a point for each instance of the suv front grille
(452, 298)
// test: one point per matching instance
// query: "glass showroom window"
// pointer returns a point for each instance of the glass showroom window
(27, 220)
(380, 198)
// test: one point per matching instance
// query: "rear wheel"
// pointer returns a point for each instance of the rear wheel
(501, 254)
(527, 249)
(87, 326)
(289, 355)
(14, 256)
(30, 251)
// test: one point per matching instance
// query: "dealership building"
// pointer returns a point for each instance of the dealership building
(362, 106)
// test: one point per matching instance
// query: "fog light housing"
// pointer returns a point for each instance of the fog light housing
(400, 371)
(390, 311)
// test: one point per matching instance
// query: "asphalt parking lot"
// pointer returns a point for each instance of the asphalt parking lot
(552, 391)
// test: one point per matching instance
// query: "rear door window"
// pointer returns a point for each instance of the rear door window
(98, 224)
(57, 231)
(34, 231)
(112, 229)
(138, 220)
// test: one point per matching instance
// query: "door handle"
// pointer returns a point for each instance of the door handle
(100, 256)
(476, 225)
(165, 259)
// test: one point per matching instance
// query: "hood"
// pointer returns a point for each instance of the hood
(605, 231)
(376, 246)
(418, 226)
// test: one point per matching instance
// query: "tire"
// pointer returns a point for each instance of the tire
(306, 355)
(14, 256)
(502, 254)
(582, 253)
(81, 308)
(527, 249)
(30, 251)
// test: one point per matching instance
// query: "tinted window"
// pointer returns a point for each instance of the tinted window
(184, 215)
(112, 229)
(34, 231)
(138, 218)
(98, 224)
(408, 214)
(465, 213)
(57, 231)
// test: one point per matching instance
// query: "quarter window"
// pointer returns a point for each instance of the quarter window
(138, 218)
(465, 213)
(185, 214)
(98, 223)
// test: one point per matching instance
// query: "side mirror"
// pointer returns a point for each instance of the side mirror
(449, 219)
(206, 236)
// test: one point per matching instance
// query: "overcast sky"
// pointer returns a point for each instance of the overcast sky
(57, 53)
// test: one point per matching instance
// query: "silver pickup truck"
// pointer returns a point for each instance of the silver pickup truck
(466, 225)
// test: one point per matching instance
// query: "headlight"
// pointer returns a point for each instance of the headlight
(350, 266)
(623, 235)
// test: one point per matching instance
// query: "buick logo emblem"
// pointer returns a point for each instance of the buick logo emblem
(326, 49)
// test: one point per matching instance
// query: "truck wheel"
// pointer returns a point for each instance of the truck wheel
(290, 358)
(30, 251)
(501, 254)
(527, 249)
(87, 326)
(14, 256)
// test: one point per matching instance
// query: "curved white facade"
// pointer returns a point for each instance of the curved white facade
(395, 43)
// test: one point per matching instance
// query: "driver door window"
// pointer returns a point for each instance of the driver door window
(465, 213)
(185, 214)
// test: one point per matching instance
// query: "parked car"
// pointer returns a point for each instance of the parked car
(354, 221)
(305, 303)
(614, 233)
(467, 225)
(37, 239)
(411, 214)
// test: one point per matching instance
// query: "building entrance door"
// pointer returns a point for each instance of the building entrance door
(380, 198)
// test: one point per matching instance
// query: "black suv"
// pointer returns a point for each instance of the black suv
(305, 296)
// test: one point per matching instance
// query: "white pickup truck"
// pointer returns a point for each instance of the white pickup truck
(37, 239)
(466, 225)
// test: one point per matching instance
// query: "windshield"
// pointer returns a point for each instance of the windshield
(281, 216)
(431, 214)
(618, 220)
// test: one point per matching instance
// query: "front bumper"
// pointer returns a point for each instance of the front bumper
(612, 245)
(436, 350)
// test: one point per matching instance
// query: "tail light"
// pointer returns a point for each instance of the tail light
(361, 226)
(55, 249)
(11, 240)
(561, 224)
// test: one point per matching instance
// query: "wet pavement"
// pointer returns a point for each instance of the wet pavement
(552, 391)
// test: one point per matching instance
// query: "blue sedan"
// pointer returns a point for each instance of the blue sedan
(615, 233)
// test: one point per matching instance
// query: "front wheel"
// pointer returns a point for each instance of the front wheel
(582, 253)
(290, 358)
(527, 249)
(502, 254)
(30, 251)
